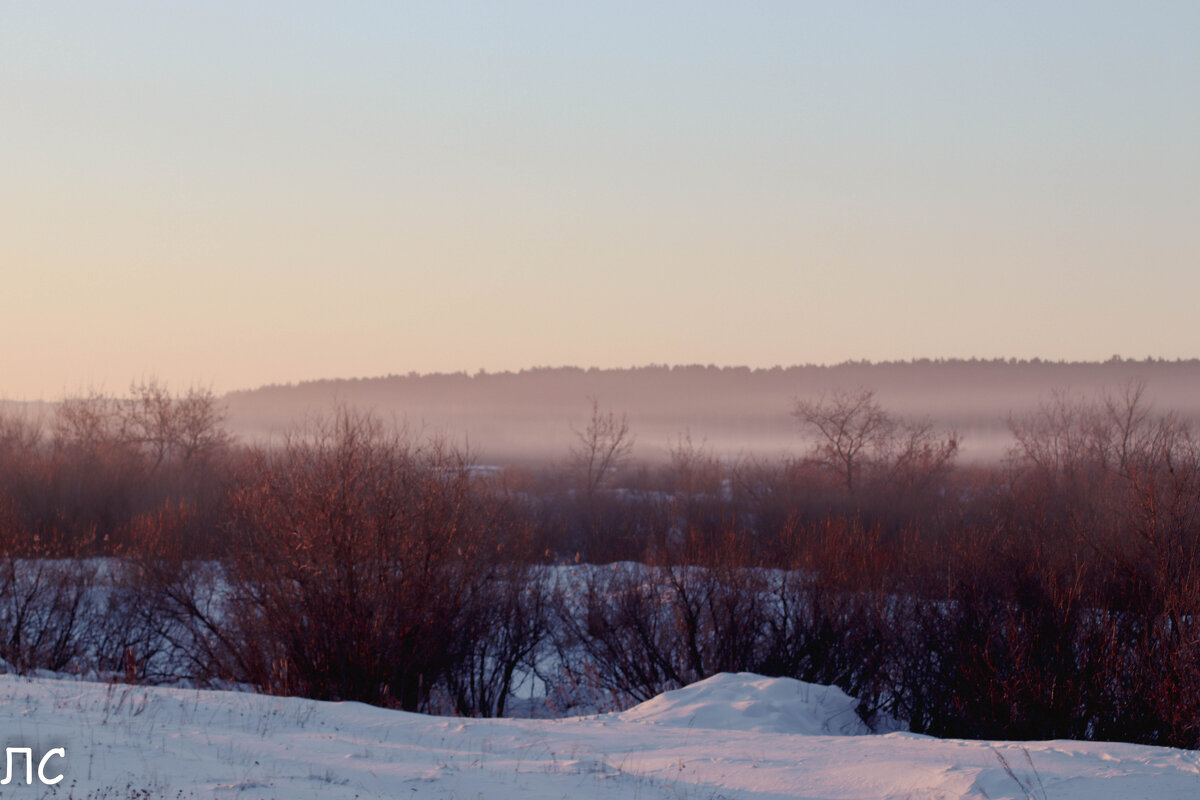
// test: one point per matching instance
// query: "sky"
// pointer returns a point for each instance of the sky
(229, 194)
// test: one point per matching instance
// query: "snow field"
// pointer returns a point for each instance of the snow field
(731, 736)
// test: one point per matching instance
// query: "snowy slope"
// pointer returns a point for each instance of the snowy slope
(732, 736)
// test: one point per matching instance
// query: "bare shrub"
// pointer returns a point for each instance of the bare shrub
(709, 604)
(830, 607)
(603, 445)
(163, 617)
(44, 602)
(358, 555)
(505, 631)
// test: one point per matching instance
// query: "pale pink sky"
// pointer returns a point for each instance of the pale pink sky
(233, 194)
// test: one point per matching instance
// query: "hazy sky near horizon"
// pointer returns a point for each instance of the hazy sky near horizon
(238, 193)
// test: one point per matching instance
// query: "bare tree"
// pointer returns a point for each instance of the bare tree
(199, 425)
(918, 455)
(692, 468)
(20, 435)
(855, 435)
(149, 416)
(183, 428)
(88, 424)
(1126, 418)
(850, 428)
(602, 447)
(1064, 436)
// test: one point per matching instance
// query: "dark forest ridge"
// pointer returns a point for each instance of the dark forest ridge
(736, 410)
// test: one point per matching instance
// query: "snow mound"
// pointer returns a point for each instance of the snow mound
(749, 702)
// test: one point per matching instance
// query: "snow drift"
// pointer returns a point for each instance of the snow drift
(748, 702)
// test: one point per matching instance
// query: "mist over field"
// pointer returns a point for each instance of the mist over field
(736, 411)
(1051, 595)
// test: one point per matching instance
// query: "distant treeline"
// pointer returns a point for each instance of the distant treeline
(526, 415)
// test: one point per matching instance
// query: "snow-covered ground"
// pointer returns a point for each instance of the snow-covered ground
(731, 736)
